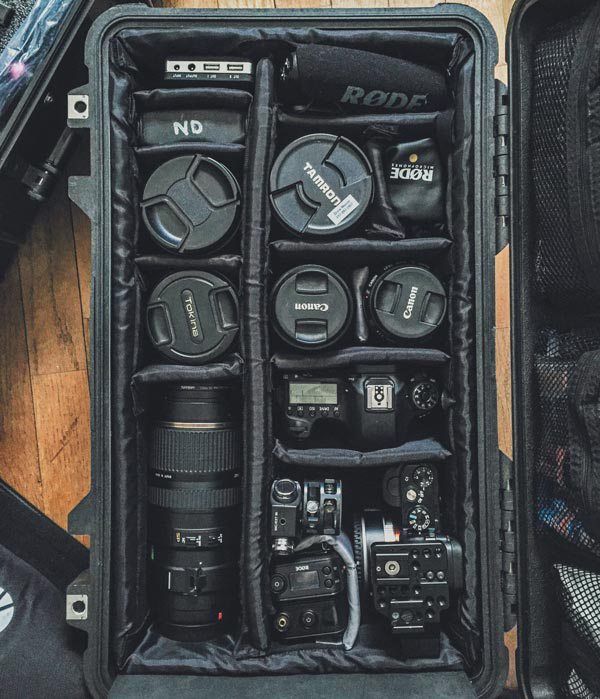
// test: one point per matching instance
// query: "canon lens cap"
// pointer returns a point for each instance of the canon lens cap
(312, 307)
(191, 204)
(407, 302)
(321, 185)
(192, 317)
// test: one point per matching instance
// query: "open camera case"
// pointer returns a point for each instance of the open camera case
(486, 499)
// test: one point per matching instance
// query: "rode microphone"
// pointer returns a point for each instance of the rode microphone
(355, 80)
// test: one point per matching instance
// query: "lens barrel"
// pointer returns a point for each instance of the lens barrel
(194, 497)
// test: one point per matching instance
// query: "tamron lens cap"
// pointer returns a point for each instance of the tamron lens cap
(192, 317)
(312, 307)
(407, 302)
(191, 204)
(321, 185)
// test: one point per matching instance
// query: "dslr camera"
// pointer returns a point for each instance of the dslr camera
(308, 595)
(374, 406)
(303, 510)
(409, 579)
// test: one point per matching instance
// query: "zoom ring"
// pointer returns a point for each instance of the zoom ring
(194, 499)
(196, 451)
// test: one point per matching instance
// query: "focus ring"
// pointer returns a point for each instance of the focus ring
(194, 499)
(195, 451)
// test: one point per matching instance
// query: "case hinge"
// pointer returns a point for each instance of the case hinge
(508, 543)
(502, 166)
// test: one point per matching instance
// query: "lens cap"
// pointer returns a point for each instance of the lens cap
(191, 204)
(312, 307)
(321, 185)
(407, 302)
(192, 317)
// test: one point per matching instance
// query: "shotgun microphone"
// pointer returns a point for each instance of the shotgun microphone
(356, 81)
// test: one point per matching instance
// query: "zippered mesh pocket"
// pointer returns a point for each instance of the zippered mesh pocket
(579, 599)
(558, 504)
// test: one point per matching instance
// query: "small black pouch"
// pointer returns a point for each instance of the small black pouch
(415, 179)
(579, 599)
(568, 452)
(566, 159)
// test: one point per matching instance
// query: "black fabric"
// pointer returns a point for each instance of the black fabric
(136, 64)
(40, 655)
(579, 599)
(258, 416)
(373, 652)
(424, 450)
(565, 509)
(38, 651)
(564, 181)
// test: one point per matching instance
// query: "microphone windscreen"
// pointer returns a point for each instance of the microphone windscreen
(363, 81)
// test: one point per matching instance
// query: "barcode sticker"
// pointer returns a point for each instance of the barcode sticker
(343, 209)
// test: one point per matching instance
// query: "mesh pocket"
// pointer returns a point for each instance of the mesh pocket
(556, 505)
(559, 274)
(579, 598)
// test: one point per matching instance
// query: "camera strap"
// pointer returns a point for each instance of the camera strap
(341, 544)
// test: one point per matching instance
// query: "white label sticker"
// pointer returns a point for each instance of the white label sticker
(343, 210)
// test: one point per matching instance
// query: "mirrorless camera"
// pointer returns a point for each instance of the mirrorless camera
(413, 489)
(301, 510)
(374, 406)
(308, 594)
(409, 579)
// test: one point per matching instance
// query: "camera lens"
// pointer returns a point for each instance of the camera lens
(406, 302)
(191, 204)
(194, 496)
(192, 317)
(312, 307)
(321, 185)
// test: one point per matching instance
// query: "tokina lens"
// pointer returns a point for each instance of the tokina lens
(194, 499)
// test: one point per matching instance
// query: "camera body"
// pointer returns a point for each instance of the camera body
(314, 507)
(414, 490)
(411, 582)
(409, 577)
(308, 594)
(374, 405)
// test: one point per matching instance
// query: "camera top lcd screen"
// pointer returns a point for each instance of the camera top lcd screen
(307, 580)
(313, 393)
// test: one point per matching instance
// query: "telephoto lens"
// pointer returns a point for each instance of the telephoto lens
(194, 496)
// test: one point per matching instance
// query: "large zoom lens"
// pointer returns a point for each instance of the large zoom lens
(194, 515)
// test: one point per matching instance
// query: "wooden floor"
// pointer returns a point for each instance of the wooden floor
(44, 315)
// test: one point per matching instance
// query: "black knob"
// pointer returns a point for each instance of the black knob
(308, 619)
(277, 584)
(285, 490)
(425, 395)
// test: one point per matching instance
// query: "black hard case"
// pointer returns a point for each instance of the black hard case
(34, 144)
(498, 116)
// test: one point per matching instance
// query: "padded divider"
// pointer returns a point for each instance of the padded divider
(159, 655)
(224, 263)
(360, 250)
(192, 97)
(149, 48)
(153, 155)
(461, 312)
(410, 125)
(422, 450)
(255, 341)
(342, 359)
(360, 279)
(128, 553)
(229, 369)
